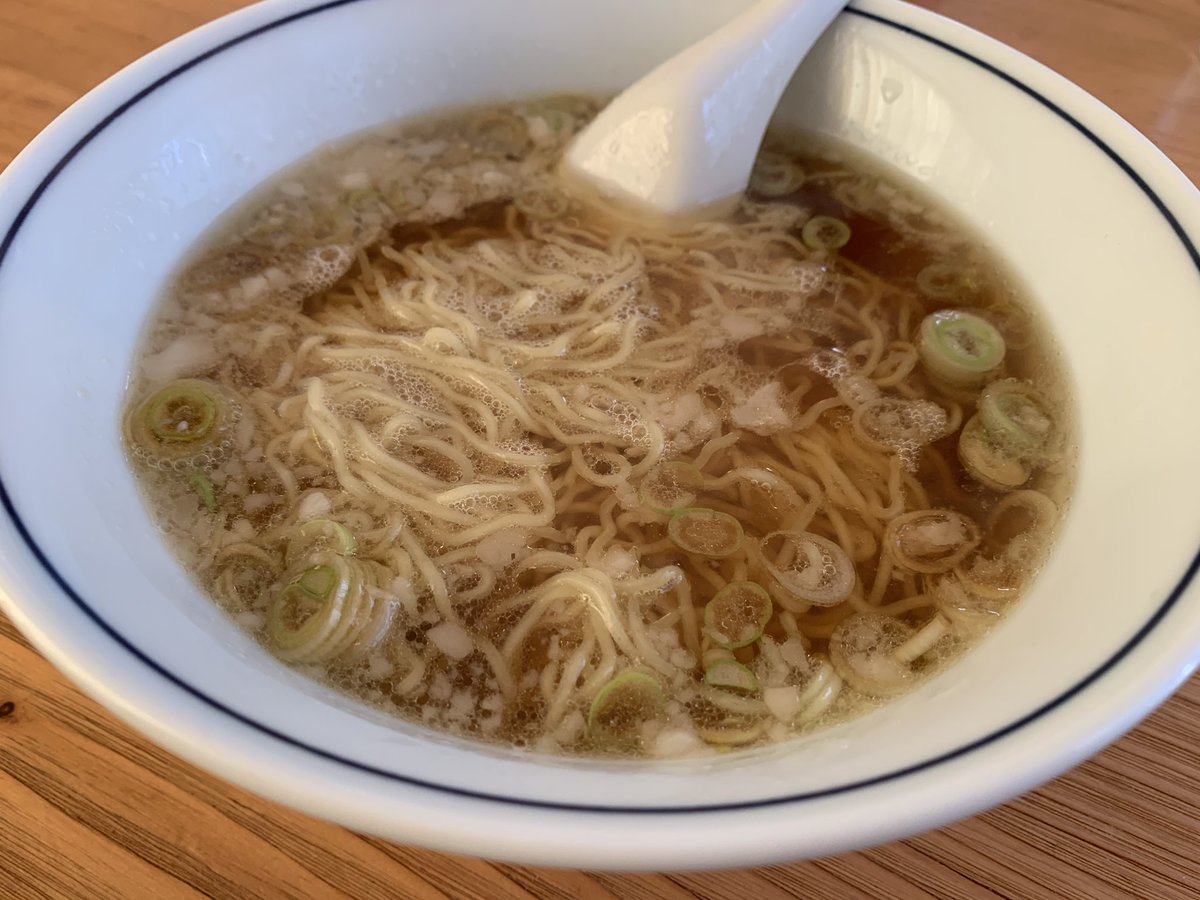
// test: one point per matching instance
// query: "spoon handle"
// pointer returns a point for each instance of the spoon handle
(685, 136)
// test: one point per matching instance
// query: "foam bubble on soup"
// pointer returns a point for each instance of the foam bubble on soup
(504, 464)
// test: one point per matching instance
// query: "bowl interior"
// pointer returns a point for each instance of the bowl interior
(1089, 238)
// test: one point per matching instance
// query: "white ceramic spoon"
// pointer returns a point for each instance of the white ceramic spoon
(684, 137)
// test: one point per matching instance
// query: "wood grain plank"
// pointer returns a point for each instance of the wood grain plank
(556, 884)
(96, 867)
(1099, 840)
(962, 850)
(809, 881)
(148, 817)
(642, 887)
(935, 878)
(1037, 853)
(462, 879)
(729, 885)
(331, 857)
(27, 105)
(865, 873)
(1138, 57)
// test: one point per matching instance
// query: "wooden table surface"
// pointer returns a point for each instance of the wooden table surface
(89, 809)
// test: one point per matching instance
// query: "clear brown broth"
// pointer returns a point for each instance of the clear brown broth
(896, 234)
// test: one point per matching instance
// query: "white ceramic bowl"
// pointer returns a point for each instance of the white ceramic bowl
(97, 210)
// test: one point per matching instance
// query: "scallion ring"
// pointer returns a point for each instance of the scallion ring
(306, 612)
(731, 675)
(183, 412)
(890, 423)
(670, 487)
(325, 610)
(182, 423)
(930, 541)
(825, 233)
(811, 567)
(959, 348)
(319, 534)
(867, 649)
(542, 204)
(1016, 417)
(622, 706)
(705, 532)
(775, 175)
(737, 614)
(944, 281)
(988, 462)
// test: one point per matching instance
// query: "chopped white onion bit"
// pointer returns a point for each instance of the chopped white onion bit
(312, 505)
(186, 356)
(792, 651)
(673, 743)
(762, 412)
(618, 562)
(452, 640)
(502, 548)
(783, 702)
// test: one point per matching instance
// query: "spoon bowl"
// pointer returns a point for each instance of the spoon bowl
(684, 137)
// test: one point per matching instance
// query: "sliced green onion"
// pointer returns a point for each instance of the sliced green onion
(306, 611)
(825, 233)
(811, 567)
(499, 133)
(968, 611)
(986, 461)
(863, 649)
(316, 581)
(670, 487)
(730, 701)
(944, 280)
(184, 423)
(889, 423)
(203, 486)
(731, 675)
(1036, 513)
(186, 412)
(244, 578)
(1016, 417)
(732, 731)
(959, 348)
(319, 534)
(622, 706)
(736, 616)
(326, 610)
(998, 577)
(775, 175)
(705, 532)
(929, 541)
(542, 204)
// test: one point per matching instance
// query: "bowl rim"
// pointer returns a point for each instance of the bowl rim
(182, 731)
